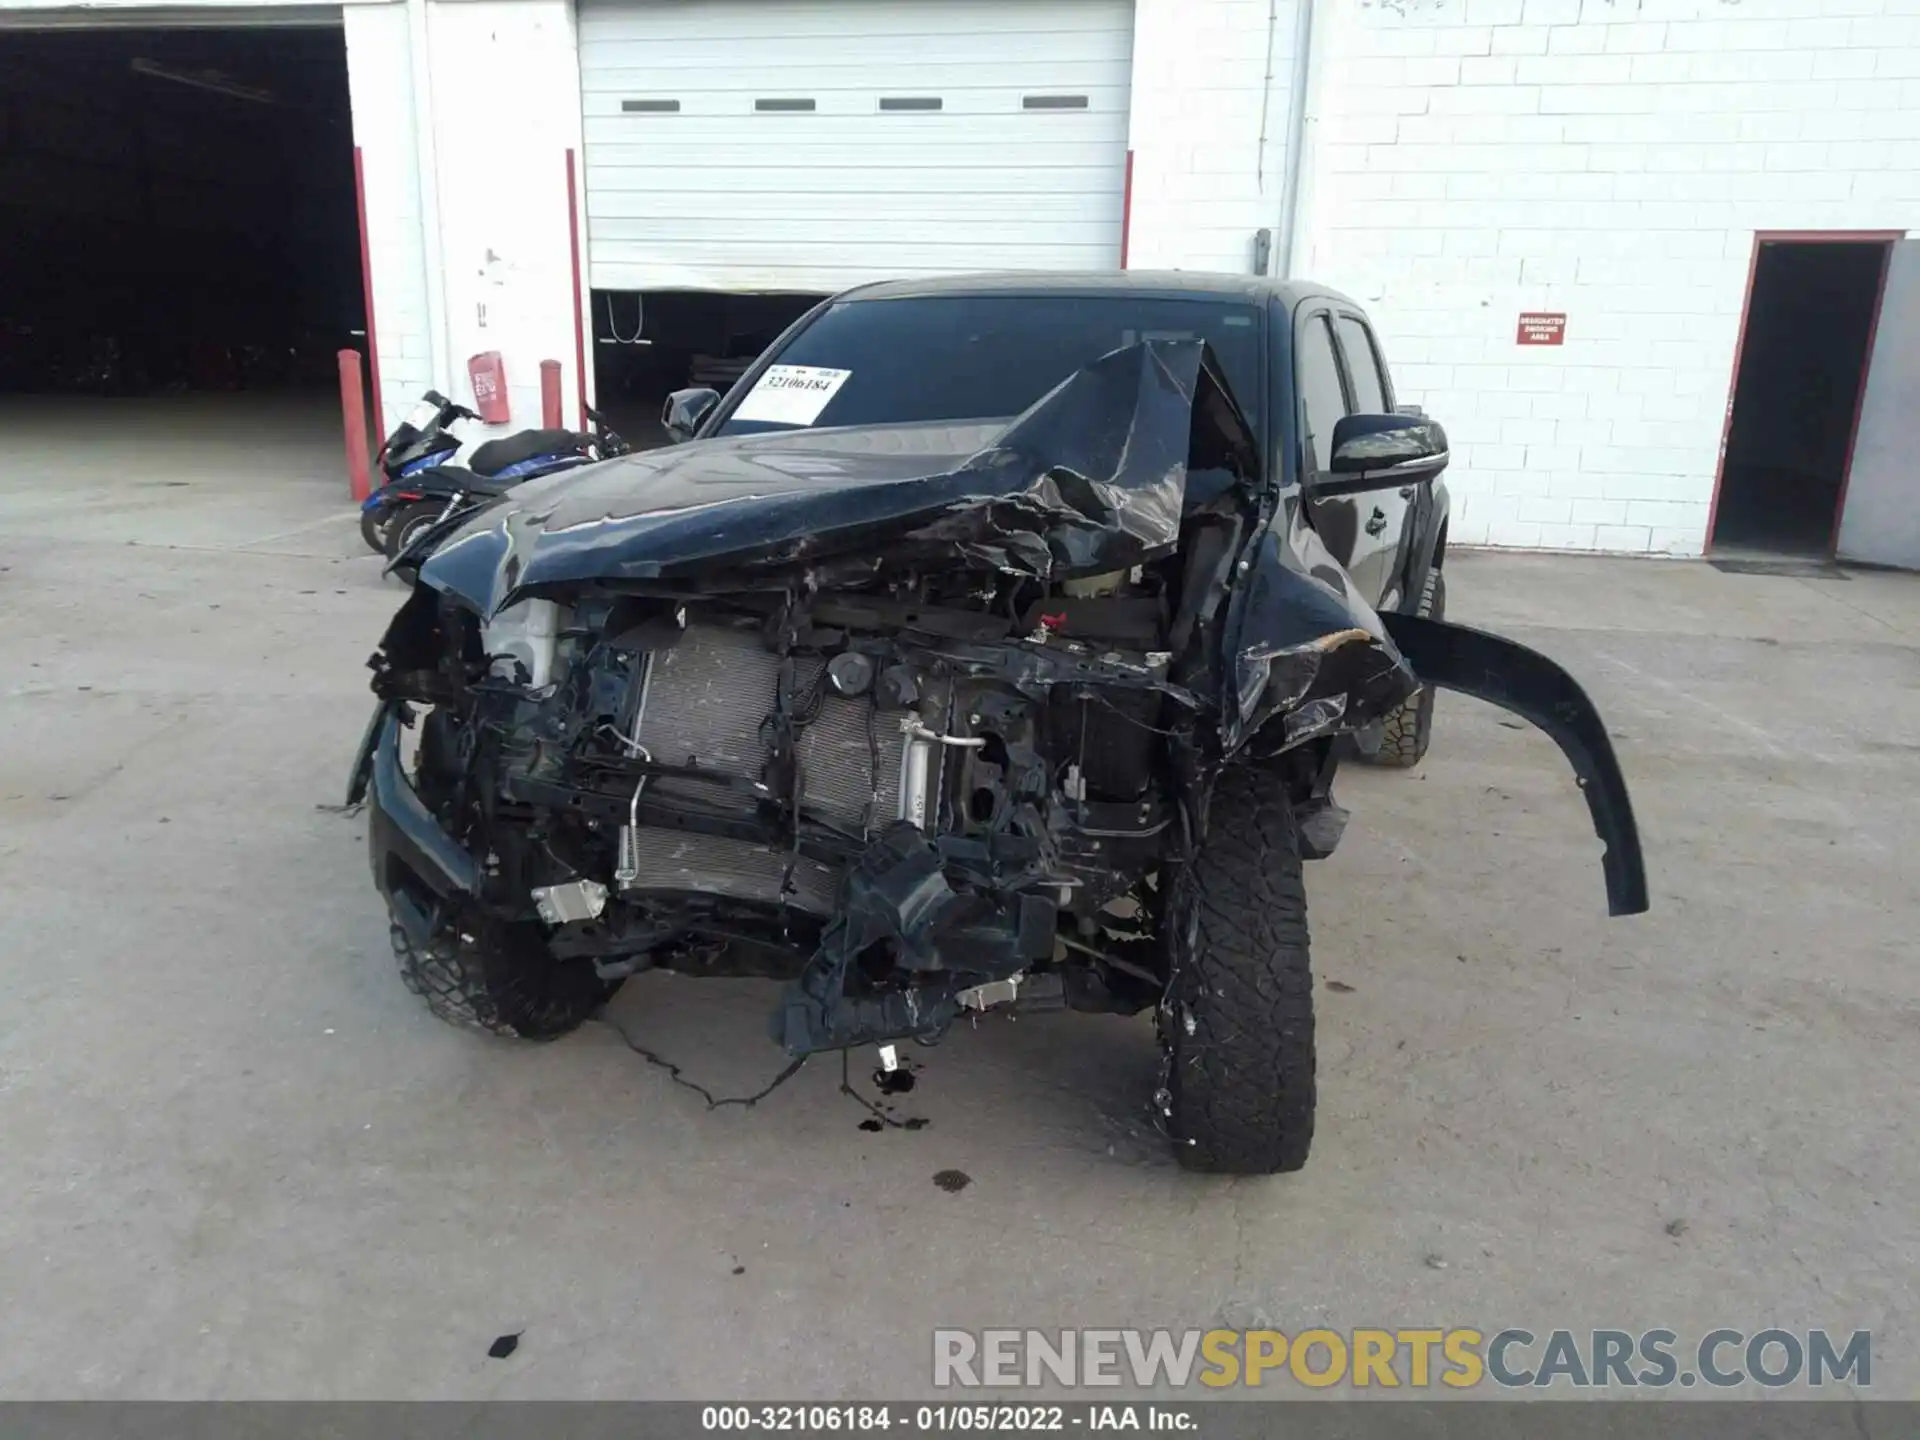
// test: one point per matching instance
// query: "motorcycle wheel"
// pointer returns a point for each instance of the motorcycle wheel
(409, 523)
(373, 529)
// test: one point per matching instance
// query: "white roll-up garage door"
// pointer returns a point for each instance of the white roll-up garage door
(755, 145)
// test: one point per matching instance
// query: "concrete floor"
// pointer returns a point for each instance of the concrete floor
(239, 1160)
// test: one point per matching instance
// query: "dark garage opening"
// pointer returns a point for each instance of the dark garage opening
(647, 344)
(177, 211)
(1803, 361)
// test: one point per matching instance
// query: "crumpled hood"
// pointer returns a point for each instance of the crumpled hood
(1093, 477)
(1090, 478)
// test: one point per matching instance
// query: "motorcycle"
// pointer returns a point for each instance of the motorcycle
(420, 442)
(422, 445)
(426, 498)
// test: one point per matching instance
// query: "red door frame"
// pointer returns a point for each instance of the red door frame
(1886, 239)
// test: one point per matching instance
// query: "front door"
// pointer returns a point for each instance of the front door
(1359, 522)
(1387, 510)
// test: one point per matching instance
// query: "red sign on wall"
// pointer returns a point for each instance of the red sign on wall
(1542, 327)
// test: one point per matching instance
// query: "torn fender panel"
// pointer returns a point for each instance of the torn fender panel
(361, 775)
(1305, 645)
(1524, 681)
(1091, 478)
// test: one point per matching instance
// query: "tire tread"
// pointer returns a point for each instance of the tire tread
(1406, 733)
(1238, 1022)
(497, 980)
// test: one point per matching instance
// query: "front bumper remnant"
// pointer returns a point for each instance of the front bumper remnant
(417, 865)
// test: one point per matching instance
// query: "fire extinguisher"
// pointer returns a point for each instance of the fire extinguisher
(489, 374)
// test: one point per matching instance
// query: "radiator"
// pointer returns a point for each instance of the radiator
(703, 702)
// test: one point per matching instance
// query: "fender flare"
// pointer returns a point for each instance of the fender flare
(1503, 673)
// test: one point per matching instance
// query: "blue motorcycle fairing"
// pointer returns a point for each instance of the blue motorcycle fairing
(425, 462)
(538, 465)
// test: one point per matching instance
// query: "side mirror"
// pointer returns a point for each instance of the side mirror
(685, 411)
(1388, 445)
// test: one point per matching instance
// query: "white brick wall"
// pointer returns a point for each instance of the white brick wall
(1478, 158)
(1203, 182)
(380, 88)
(506, 96)
(506, 108)
(1470, 159)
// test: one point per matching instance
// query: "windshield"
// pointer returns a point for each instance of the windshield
(422, 415)
(974, 357)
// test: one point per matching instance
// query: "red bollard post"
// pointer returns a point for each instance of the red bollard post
(550, 394)
(353, 411)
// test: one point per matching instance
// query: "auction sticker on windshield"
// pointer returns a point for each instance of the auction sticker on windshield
(791, 394)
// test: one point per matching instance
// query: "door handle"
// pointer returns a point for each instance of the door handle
(1377, 521)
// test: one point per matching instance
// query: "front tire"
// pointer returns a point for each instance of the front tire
(1236, 1025)
(1406, 733)
(409, 523)
(500, 979)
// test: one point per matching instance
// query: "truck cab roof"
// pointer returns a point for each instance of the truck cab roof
(1157, 284)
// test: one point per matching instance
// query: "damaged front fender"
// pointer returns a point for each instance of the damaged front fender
(1309, 654)
(1487, 667)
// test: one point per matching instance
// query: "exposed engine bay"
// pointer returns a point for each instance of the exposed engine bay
(915, 797)
(934, 735)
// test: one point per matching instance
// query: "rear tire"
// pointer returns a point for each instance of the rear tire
(500, 979)
(373, 531)
(1236, 1026)
(1406, 733)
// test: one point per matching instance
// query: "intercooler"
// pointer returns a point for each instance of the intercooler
(706, 702)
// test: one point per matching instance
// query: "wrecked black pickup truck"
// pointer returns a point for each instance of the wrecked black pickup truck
(992, 646)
